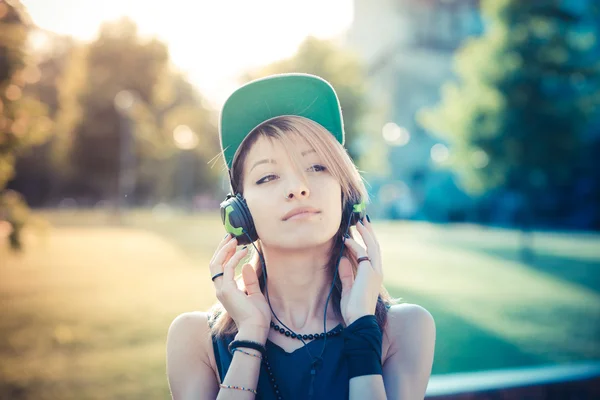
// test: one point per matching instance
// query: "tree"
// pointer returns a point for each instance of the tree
(36, 176)
(120, 101)
(527, 90)
(23, 120)
(344, 72)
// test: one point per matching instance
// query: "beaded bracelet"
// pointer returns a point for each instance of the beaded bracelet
(238, 388)
(247, 343)
(245, 352)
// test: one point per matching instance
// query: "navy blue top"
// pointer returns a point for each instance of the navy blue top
(292, 370)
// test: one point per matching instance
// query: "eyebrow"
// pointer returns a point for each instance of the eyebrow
(271, 161)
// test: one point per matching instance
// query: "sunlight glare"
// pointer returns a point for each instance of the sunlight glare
(212, 42)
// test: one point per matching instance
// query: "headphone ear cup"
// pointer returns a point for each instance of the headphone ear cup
(349, 215)
(248, 221)
(354, 211)
(237, 219)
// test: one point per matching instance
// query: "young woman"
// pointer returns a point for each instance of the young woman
(309, 318)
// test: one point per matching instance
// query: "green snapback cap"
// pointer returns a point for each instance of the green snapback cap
(297, 94)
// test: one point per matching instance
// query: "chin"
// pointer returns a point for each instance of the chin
(298, 239)
(305, 243)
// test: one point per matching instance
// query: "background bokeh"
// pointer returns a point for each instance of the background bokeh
(476, 125)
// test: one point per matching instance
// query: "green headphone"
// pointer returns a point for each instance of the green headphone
(238, 221)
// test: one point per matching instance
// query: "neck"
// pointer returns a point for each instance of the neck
(298, 284)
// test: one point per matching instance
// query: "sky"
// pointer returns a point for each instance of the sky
(212, 41)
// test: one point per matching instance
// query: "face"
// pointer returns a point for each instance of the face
(288, 211)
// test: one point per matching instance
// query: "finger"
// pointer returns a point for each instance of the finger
(222, 256)
(346, 275)
(225, 239)
(355, 248)
(221, 244)
(229, 269)
(218, 267)
(366, 236)
(373, 248)
(225, 243)
(250, 279)
(369, 226)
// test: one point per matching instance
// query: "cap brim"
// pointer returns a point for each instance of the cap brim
(287, 94)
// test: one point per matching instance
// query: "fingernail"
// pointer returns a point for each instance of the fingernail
(244, 248)
(368, 219)
(226, 236)
(360, 220)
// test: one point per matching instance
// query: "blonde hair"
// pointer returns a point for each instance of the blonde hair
(340, 165)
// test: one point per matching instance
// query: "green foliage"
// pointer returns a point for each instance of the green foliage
(526, 92)
(90, 123)
(342, 69)
(23, 120)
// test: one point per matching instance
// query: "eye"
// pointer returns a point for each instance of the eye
(317, 168)
(266, 179)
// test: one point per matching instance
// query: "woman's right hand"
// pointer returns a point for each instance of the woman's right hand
(250, 312)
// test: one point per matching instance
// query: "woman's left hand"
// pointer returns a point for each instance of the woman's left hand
(360, 293)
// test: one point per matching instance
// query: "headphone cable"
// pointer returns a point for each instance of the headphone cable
(319, 359)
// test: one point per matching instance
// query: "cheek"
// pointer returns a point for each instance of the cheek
(263, 214)
(330, 193)
(335, 213)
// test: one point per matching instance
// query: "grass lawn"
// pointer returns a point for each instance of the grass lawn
(85, 310)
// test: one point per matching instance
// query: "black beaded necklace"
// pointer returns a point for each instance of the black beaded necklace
(272, 378)
(334, 332)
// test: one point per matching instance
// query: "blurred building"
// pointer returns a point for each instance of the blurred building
(408, 47)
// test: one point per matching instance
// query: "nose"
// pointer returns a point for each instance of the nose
(298, 188)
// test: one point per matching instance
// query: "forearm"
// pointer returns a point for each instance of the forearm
(244, 370)
(367, 387)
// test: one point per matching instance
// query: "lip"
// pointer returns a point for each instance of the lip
(299, 211)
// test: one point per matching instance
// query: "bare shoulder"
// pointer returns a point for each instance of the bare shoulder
(189, 355)
(407, 325)
(409, 361)
(408, 312)
(192, 319)
(190, 331)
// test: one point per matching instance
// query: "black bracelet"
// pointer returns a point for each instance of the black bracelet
(248, 344)
(363, 346)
